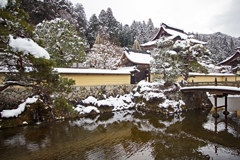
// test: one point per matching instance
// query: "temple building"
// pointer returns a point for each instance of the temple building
(141, 61)
(232, 61)
(168, 32)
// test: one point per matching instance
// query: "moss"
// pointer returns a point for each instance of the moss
(63, 109)
(183, 107)
(37, 112)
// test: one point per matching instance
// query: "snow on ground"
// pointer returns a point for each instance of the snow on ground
(147, 86)
(28, 46)
(150, 91)
(175, 105)
(86, 110)
(145, 90)
(118, 103)
(19, 110)
(90, 100)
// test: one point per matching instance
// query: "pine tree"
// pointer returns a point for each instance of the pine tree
(25, 67)
(177, 58)
(165, 65)
(61, 41)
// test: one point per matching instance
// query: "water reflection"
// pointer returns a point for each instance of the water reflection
(127, 135)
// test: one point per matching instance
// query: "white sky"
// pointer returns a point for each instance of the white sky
(198, 16)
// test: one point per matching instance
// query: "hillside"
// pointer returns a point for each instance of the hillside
(221, 45)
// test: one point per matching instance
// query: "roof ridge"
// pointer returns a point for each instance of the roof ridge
(169, 27)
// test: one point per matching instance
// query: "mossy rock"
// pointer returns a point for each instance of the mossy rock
(37, 112)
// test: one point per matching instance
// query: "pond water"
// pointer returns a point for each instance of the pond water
(233, 102)
(127, 135)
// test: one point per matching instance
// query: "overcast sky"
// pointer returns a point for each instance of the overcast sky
(198, 16)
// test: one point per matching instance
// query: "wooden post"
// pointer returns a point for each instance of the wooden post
(215, 114)
(215, 81)
(226, 101)
(225, 81)
(192, 82)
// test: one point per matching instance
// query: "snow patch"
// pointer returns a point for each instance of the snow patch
(3, 4)
(147, 86)
(152, 95)
(25, 123)
(19, 110)
(118, 103)
(28, 46)
(175, 105)
(86, 110)
(90, 100)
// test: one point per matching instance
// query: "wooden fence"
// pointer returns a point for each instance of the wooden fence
(215, 83)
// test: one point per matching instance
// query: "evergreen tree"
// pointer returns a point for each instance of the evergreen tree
(232, 46)
(93, 29)
(125, 36)
(109, 26)
(135, 29)
(103, 24)
(80, 16)
(112, 25)
(142, 31)
(172, 59)
(39, 10)
(150, 30)
(25, 62)
(192, 57)
(61, 41)
(165, 65)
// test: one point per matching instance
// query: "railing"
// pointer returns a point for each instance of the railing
(215, 83)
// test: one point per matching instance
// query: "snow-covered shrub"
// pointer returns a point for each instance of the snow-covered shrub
(104, 55)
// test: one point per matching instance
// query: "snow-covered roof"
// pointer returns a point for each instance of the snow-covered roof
(216, 88)
(139, 58)
(197, 41)
(130, 69)
(229, 58)
(150, 43)
(90, 71)
(210, 74)
(174, 32)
